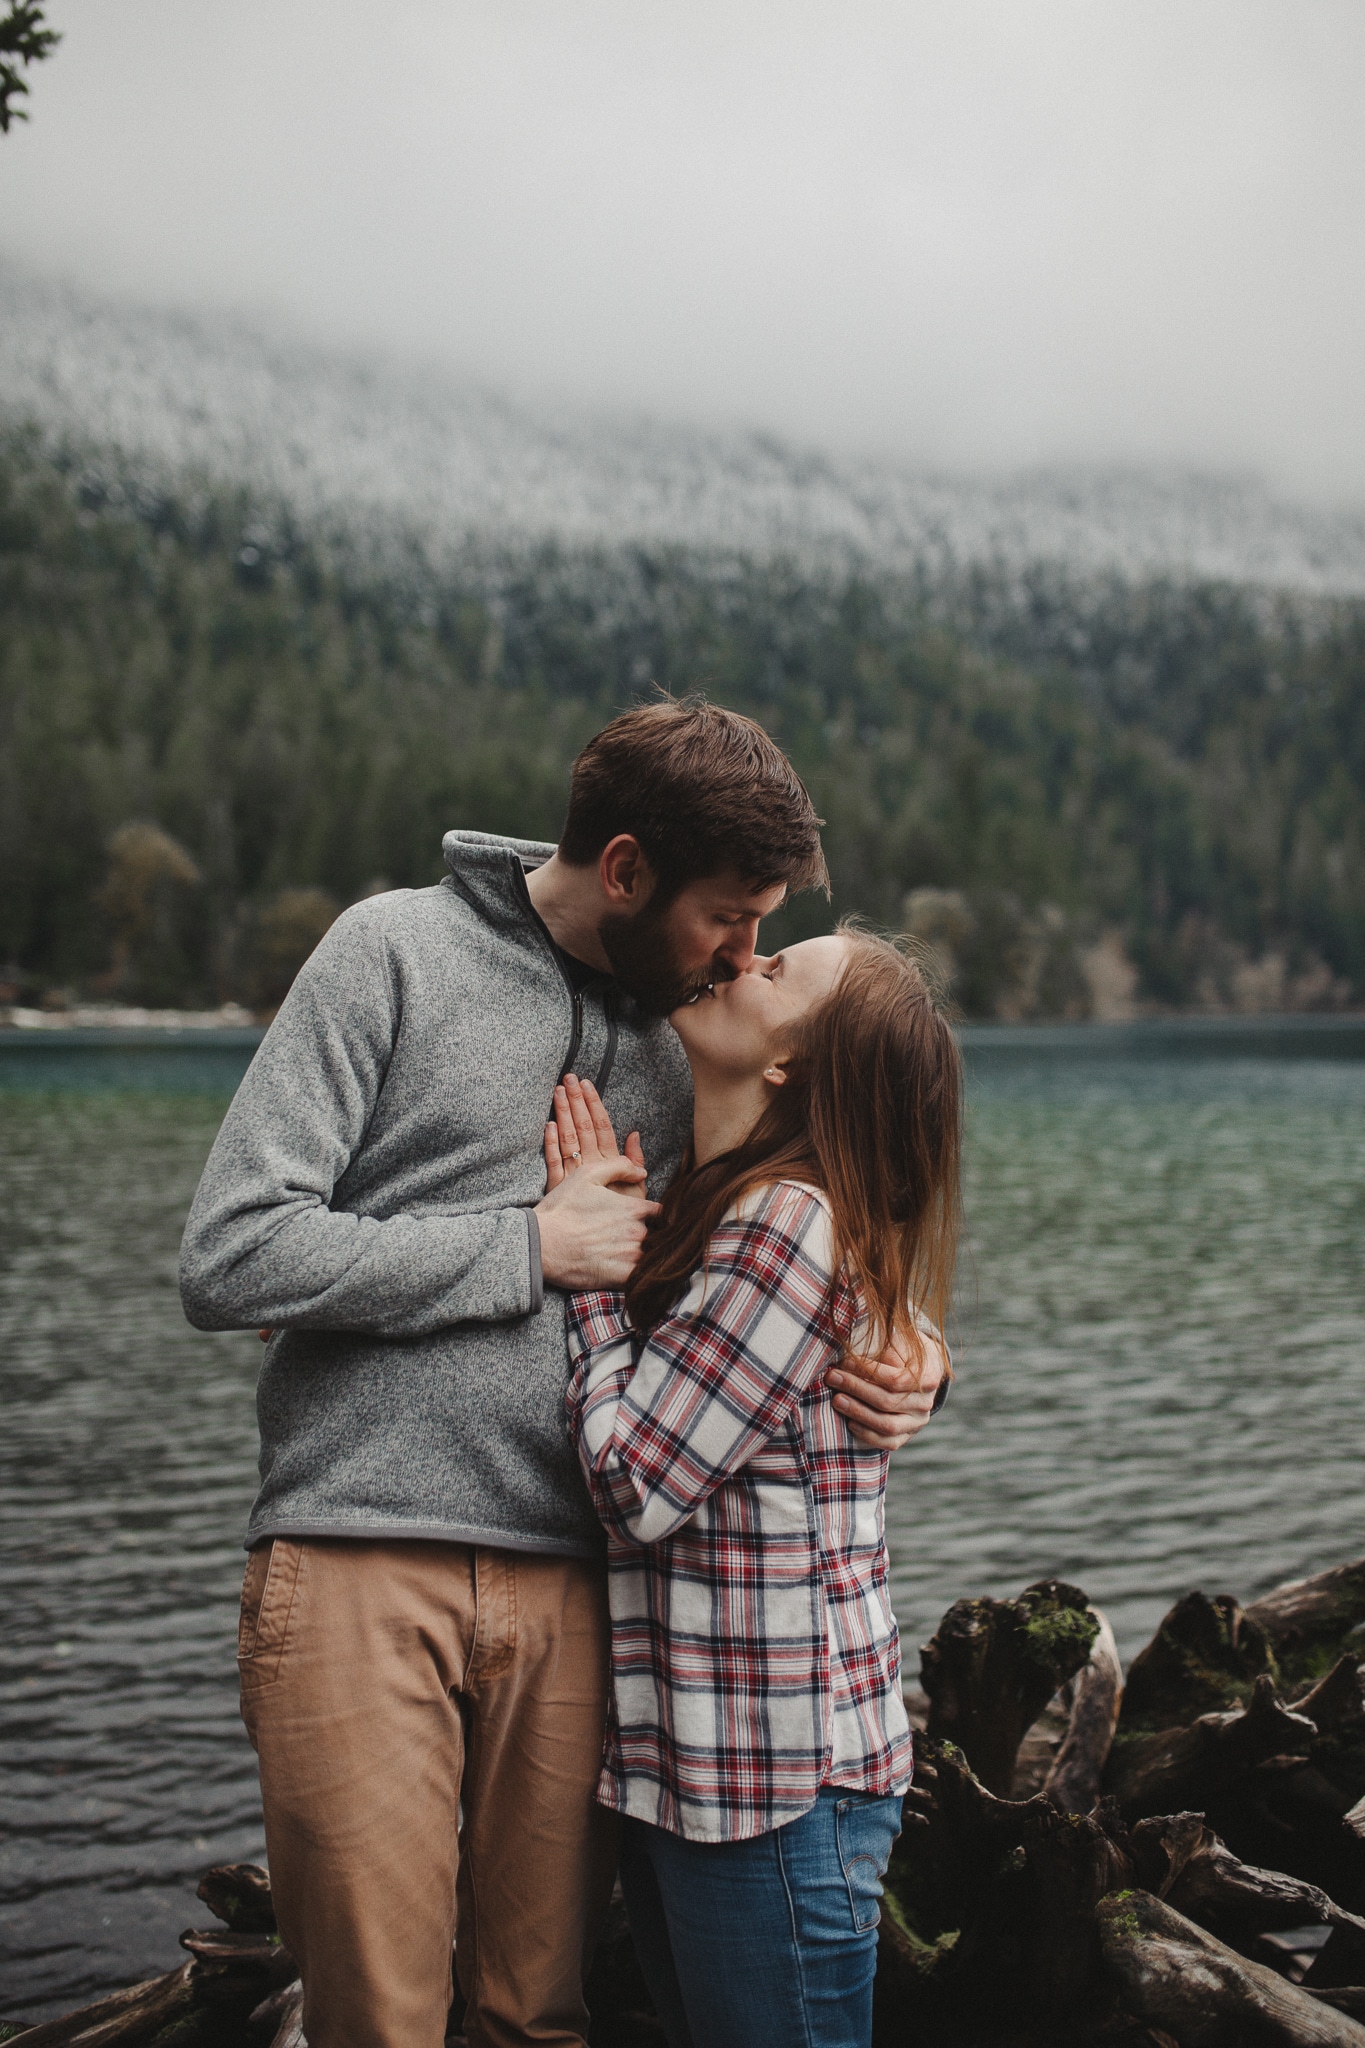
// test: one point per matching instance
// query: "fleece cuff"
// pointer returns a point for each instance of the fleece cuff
(537, 1270)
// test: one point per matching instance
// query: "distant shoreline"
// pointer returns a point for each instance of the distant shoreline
(106, 1017)
(94, 1025)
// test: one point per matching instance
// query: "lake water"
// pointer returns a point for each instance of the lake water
(1162, 1385)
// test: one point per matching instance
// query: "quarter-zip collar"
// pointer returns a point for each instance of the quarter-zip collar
(490, 871)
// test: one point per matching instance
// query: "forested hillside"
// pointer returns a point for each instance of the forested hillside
(216, 727)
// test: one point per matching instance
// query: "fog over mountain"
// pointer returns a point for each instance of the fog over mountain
(953, 234)
(384, 449)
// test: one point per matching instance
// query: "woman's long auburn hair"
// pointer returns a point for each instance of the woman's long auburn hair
(871, 1114)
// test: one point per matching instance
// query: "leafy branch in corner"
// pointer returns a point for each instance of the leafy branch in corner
(23, 40)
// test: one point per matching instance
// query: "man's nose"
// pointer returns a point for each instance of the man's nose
(738, 951)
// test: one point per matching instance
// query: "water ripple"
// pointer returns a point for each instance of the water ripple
(1162, 1370)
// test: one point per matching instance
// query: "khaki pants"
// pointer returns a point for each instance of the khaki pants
(385, 1685)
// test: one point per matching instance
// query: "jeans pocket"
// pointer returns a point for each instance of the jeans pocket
(866, 1827)
(269, 1590)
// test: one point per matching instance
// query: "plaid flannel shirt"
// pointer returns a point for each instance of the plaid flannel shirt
(754, 1653)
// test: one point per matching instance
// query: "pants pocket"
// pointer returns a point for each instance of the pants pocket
(866, 1828)
(269, 1592)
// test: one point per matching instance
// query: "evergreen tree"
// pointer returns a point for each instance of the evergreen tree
(24, 40)
(1165, 779)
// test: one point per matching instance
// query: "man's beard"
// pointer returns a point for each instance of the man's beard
(644, 963)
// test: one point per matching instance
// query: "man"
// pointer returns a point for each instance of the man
(423, 1641)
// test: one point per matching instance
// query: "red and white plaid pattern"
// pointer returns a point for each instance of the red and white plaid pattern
(754, 1653)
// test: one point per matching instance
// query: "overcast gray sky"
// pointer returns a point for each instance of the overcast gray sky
(967, 232)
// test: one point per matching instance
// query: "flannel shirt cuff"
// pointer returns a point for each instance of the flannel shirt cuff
(595, 1317)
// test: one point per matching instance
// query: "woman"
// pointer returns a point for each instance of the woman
(758, 1747)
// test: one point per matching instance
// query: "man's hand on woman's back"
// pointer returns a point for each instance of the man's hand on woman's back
(886, 1401)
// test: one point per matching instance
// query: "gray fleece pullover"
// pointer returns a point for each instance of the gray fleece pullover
(370, 1195)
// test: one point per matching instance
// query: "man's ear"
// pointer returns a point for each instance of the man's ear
(627, 878)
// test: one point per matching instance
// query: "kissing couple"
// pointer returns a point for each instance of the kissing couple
(568, 1555)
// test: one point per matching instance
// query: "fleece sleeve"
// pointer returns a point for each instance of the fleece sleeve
(263, 1245)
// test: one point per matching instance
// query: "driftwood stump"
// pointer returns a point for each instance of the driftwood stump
(1092, 1698)
(137, 2014)
(993, 1665)
(1198, 1764)
(1272, 1752)
(278, 2020)
(1180, 1859)
(990, 1909)
(1205, 1655)
(238, 1894)
(1313, 1622)
(222, 1997)
(1172, 1975)
(992, 1927)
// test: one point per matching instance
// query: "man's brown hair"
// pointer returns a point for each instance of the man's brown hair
(704, 790)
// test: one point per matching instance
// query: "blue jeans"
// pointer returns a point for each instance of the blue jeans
(769, 1943)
